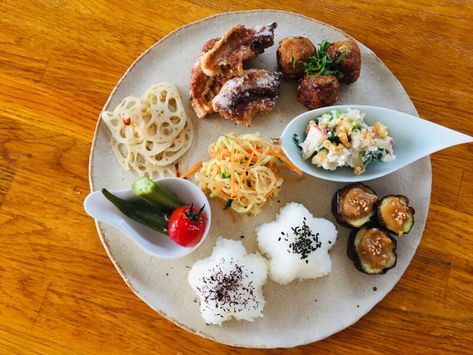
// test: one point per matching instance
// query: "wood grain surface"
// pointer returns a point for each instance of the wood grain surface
(59, 60)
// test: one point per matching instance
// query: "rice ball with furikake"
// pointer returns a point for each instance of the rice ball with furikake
(229, 283)
(297, 244)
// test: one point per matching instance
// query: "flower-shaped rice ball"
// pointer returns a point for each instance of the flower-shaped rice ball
(297, 244)
(229, 283)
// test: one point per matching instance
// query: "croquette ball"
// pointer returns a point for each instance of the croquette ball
(292, 53)
(318, 90)
(350, 65)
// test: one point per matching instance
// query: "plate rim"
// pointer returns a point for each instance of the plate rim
(92, 187)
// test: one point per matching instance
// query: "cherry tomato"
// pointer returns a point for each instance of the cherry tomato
(186, 225)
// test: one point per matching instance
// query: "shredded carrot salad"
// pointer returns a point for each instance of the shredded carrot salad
(243, 171)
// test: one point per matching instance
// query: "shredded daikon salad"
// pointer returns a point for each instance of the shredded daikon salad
(243, 172)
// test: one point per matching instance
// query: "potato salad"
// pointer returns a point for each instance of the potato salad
(344, 139)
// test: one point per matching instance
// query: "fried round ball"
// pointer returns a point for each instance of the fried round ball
(292, 53)
(318, 90)
(350, 65)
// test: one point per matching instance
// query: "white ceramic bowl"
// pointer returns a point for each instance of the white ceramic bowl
(414, 138)
(154, 243)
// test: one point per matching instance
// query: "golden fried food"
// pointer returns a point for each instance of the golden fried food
(350, 65)
(222, 59)
(237, 45)
(291, 55)
(204, 88)
(318, 90)
(242, 97)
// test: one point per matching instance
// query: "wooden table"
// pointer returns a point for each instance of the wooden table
(59, 292)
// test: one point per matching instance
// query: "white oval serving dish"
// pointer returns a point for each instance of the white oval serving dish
(152, 242)
(414, 138)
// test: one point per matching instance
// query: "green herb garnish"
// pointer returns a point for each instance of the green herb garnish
(321, 62)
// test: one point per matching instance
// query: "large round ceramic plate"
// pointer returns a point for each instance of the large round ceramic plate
(301, 312)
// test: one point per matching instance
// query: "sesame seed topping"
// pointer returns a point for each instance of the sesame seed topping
(305, 241)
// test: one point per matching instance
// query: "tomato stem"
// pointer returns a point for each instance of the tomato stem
(194, 216)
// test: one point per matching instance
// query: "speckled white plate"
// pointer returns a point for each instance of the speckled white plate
(301, 312)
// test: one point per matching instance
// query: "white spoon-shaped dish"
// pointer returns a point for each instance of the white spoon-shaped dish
(414, 138)
(154, 243)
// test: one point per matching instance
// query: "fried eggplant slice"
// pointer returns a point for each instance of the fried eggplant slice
(354, 205)
(372, 250)
(395, 214)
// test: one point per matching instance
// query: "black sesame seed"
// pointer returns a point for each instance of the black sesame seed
(375, 288)
(305, 240)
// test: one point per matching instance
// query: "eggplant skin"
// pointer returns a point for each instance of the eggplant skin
(353, 255)
(337, 198)
(379, 217)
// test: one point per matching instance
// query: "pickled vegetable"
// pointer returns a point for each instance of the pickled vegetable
(140, 212)
(155, 195)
